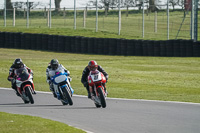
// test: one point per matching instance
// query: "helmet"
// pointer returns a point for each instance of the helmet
(18, 63)
(54, 64)
(92, 65)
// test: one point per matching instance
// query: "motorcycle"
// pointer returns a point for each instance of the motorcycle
(62, 87)
(25, 86)
(96, 81)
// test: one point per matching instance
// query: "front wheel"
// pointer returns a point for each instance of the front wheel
(102, 97)
(29, 94)
(67, 96)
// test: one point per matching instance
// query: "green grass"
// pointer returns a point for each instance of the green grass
(13, 123)
(153, 78)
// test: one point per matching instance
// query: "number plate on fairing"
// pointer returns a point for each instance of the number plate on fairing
(96, 77)
(60, 79)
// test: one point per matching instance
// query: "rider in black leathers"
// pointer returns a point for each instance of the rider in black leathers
(16, 65)
(91, 66)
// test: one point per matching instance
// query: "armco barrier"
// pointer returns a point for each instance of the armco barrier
(106, 46)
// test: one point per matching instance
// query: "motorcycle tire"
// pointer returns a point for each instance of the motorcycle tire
(102, 97)
(66, 95)
(29, 95)
(97, 105)
(25, 101)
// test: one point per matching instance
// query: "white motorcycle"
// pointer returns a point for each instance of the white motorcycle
(25, 86)
(62, 86)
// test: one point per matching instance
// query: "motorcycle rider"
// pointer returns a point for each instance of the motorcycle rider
(16, 65)
(54, 66)
(92, 65)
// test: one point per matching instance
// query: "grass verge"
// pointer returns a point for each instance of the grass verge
(13, 123)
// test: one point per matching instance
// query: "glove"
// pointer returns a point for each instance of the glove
(106, 79)
(49, 82)
(9, 79)
(85, 84)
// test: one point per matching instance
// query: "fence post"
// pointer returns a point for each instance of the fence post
(24, 13)
(191, 21)
(196, 21)
(167, 19)
(84, 18)
(13, 17)
(96, 15)
(4, 13)
(119, 19)
(74, 14)
(49, 14)
(155, 22)
(143, 19)
(48, 18)
(27, 19)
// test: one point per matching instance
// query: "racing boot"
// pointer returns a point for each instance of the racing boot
(89, 95)
(15, 88)
(52, 90)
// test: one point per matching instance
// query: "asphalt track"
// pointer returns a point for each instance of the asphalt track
(120, 115)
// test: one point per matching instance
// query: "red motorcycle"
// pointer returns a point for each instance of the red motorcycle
(25, 86)
(96, 81)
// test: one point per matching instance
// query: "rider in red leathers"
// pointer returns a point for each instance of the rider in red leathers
(16, 65)
(92, 65)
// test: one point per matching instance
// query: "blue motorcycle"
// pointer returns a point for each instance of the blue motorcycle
(62, 87)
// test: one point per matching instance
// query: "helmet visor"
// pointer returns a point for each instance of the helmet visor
(54, 66)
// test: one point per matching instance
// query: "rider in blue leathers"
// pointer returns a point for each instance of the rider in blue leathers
(54, 66)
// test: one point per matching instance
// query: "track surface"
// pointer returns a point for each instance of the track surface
(120, 116)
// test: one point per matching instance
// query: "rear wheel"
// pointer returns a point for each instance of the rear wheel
(102, 97)
(29, 94)
(67, 95)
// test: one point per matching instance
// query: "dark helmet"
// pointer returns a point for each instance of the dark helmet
(54, 64)
(18, 63)
(92, 65)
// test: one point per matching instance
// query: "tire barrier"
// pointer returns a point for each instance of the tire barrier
(163, 51)
(84, 45)
(39, 42)
(189, 48)
(156, 48)
(17, 40)
(138, 48)
(61, 43)
(196, 49)
(90, 45)
(145, 48)
(112, 46)
(103, 46)
(150, 48)
(50, 43)
(33, 41)
(67, 44)
(182, 48)
(100, 46)
(2, 38)
(44, 41)
(123, 47)
(176, 48)
(169, 48)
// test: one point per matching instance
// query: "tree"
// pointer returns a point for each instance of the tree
(57, 5)
(9, 4)
(152, 5)
(173, 3)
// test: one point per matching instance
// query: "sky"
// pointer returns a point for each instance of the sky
(64, 3)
